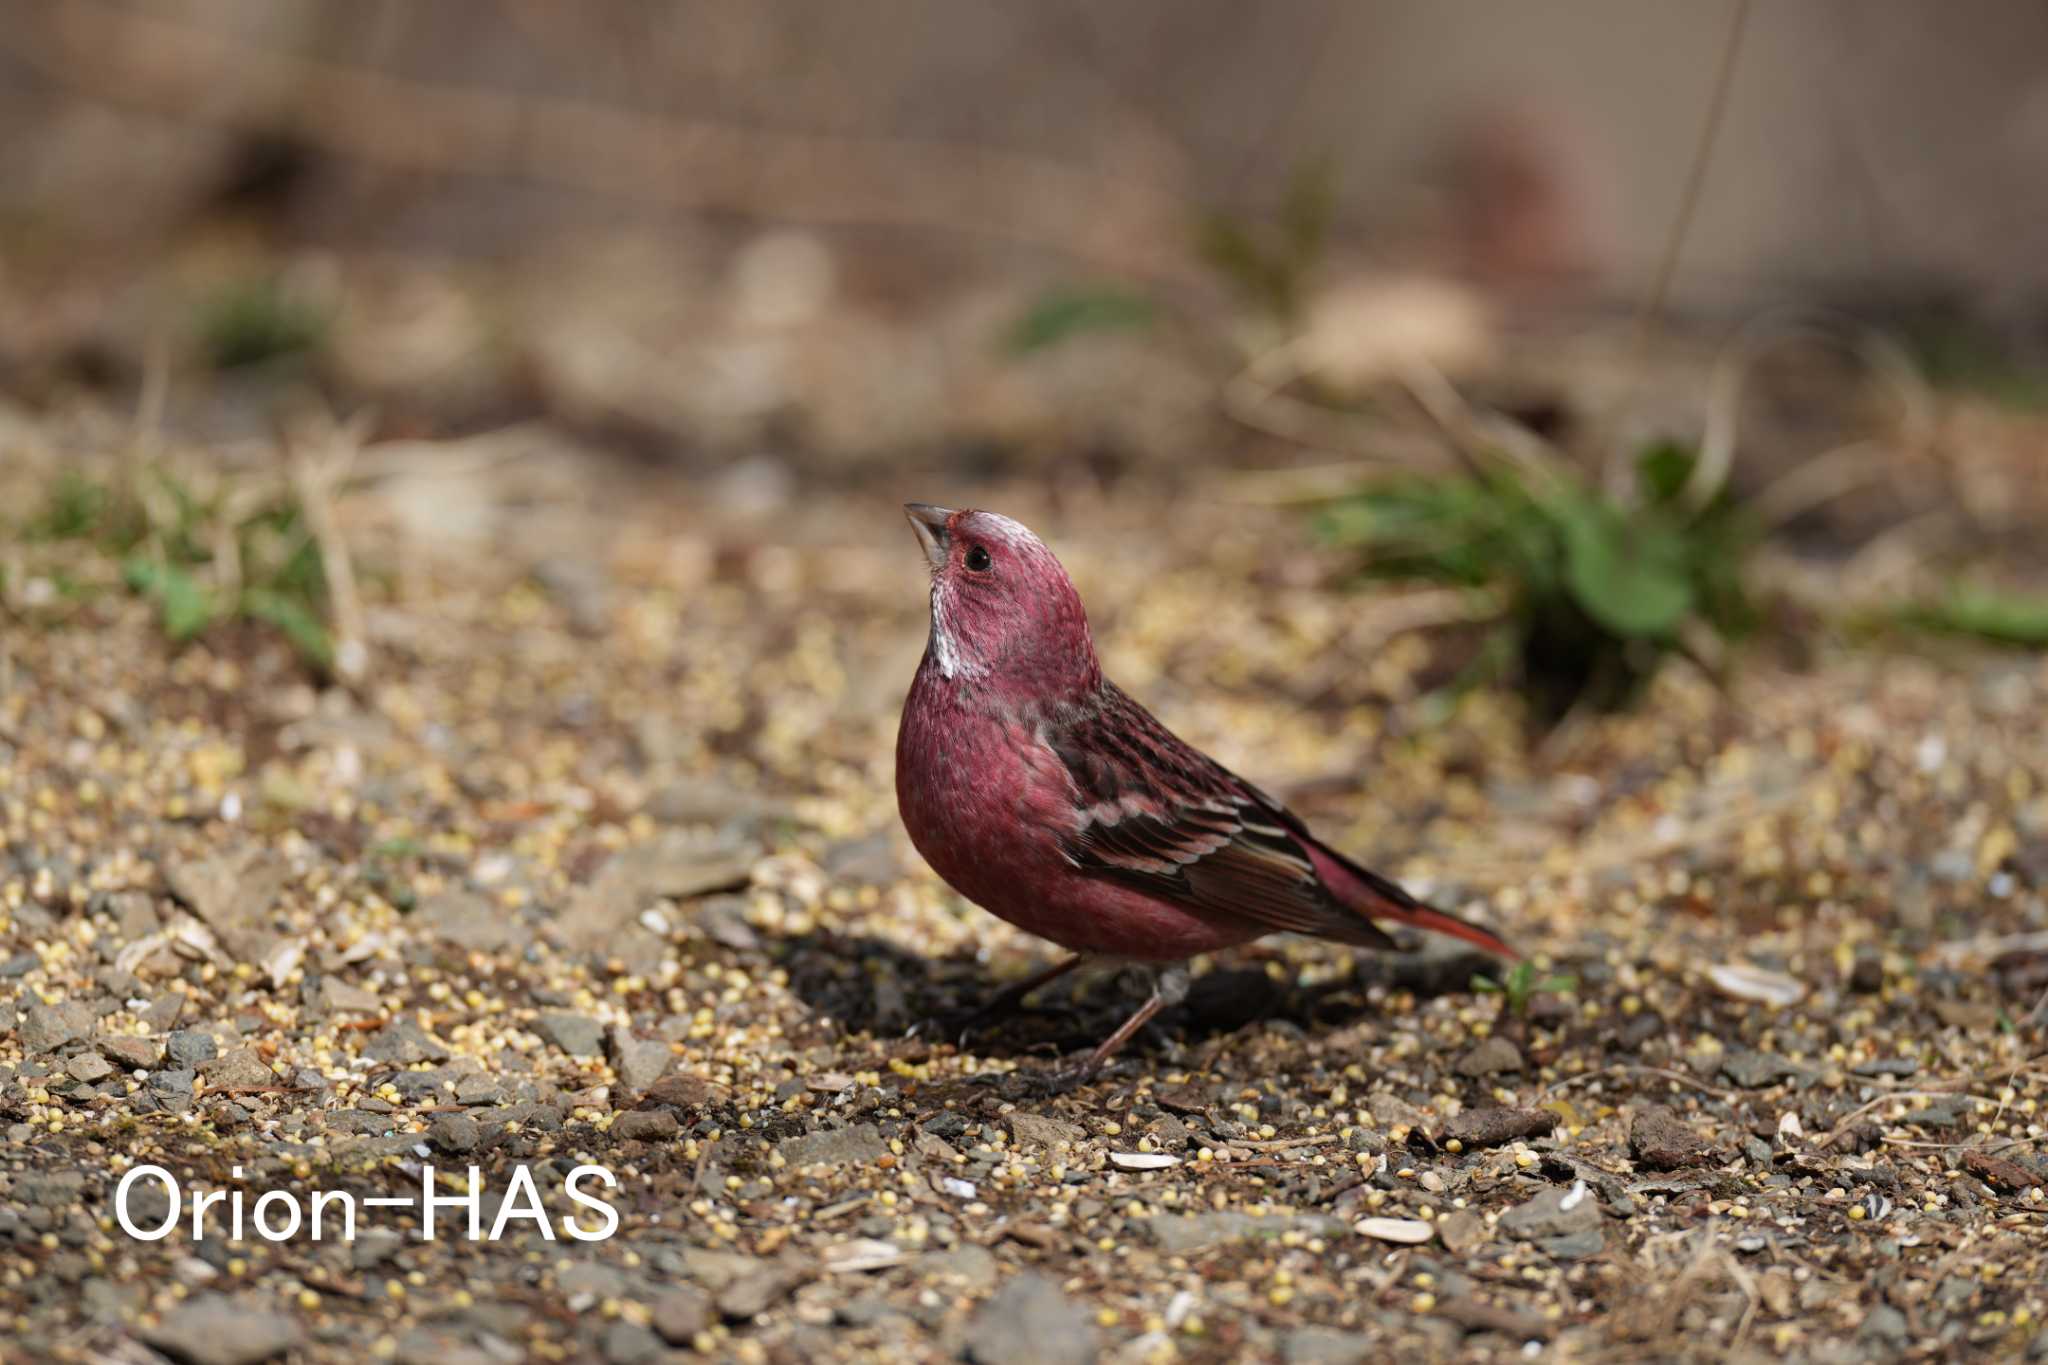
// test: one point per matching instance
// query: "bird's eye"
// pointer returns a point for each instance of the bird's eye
(977, 559)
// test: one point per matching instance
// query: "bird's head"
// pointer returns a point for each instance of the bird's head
(1004, 614)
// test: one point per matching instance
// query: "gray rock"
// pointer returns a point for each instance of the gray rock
(1660, 1140)
(189, 1047)
(472, 923)
(628, 1343)
(640, 1062)
(441, 1344)
(1553, 1213)
(163, 1012)
(1491, 1058)
(173, 1081)
(89, 1067)
(1900, 1067)
(455, 1133)
(1030, 1322)
(403, 1042)
(674, 866)
(332, 995)
(682, 1313)
(589, 1280)
(1884, 1324)
(972, 1265)
(54, 1189)
(45, 1028)
(1752, 1070)
(241, 1069)
(645, 1125)
(1575, 1246)
(373, 1248)
(136, 1054)
(576, 1034)
(1036, 1130)
(213, 1329)
(838, 1147)
(235, 894)
(1323, 1346)
(758, 1290)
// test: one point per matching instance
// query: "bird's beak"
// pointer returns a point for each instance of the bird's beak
(930, 524)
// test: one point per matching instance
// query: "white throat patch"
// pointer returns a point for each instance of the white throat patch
(945, 649)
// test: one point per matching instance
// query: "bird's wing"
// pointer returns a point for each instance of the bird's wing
(1161, 816)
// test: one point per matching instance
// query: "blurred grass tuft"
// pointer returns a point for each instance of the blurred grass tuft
(258, 320)
(239, 555)
(1599, 594)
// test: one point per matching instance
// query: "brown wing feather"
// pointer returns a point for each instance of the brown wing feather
(1160, 816)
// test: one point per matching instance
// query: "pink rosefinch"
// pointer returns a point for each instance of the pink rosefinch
(1044, 794)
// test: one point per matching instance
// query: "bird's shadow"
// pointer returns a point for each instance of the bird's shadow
(866, 985)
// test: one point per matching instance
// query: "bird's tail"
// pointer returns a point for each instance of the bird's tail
(1374, 897)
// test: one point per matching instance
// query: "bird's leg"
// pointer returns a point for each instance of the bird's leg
(1005, 1002)
(1169, 987)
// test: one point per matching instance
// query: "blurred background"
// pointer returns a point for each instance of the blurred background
(1673, 286)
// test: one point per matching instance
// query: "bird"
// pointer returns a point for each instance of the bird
(1041, 791)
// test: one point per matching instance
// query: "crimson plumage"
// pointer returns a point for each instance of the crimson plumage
(1042, 792)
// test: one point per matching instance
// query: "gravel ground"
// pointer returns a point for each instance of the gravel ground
(600, 866)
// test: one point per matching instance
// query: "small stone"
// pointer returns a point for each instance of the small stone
(173, 1081)
(1030, 1322)
(1866, 974)
(682, 1313)
(646, 1125)
(974, 1266)
(213, 1329)
(1885, 1324)
(1574, 1246)
(1476, 1128)
(189, 1047)
(1660, 1140)
(455, 1132)
(164, 1011)
(334, 996)
(89, 1067)
(640, 1062)
(853, 1146)
(45, 1028)
(472, 923)
(1037, 1131)
(758, 1290)
(1461, 1231)
(241, 1069)
(1476, 1315)
(1752, 1070)
(1325, 1346)
(402, 1043)
(1553, 1213)
(628, 1343)
(234, 894)
(1900, 1067)
(576, 1034)
(136, 1054)
(1491, 1058)
(374, 1248)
